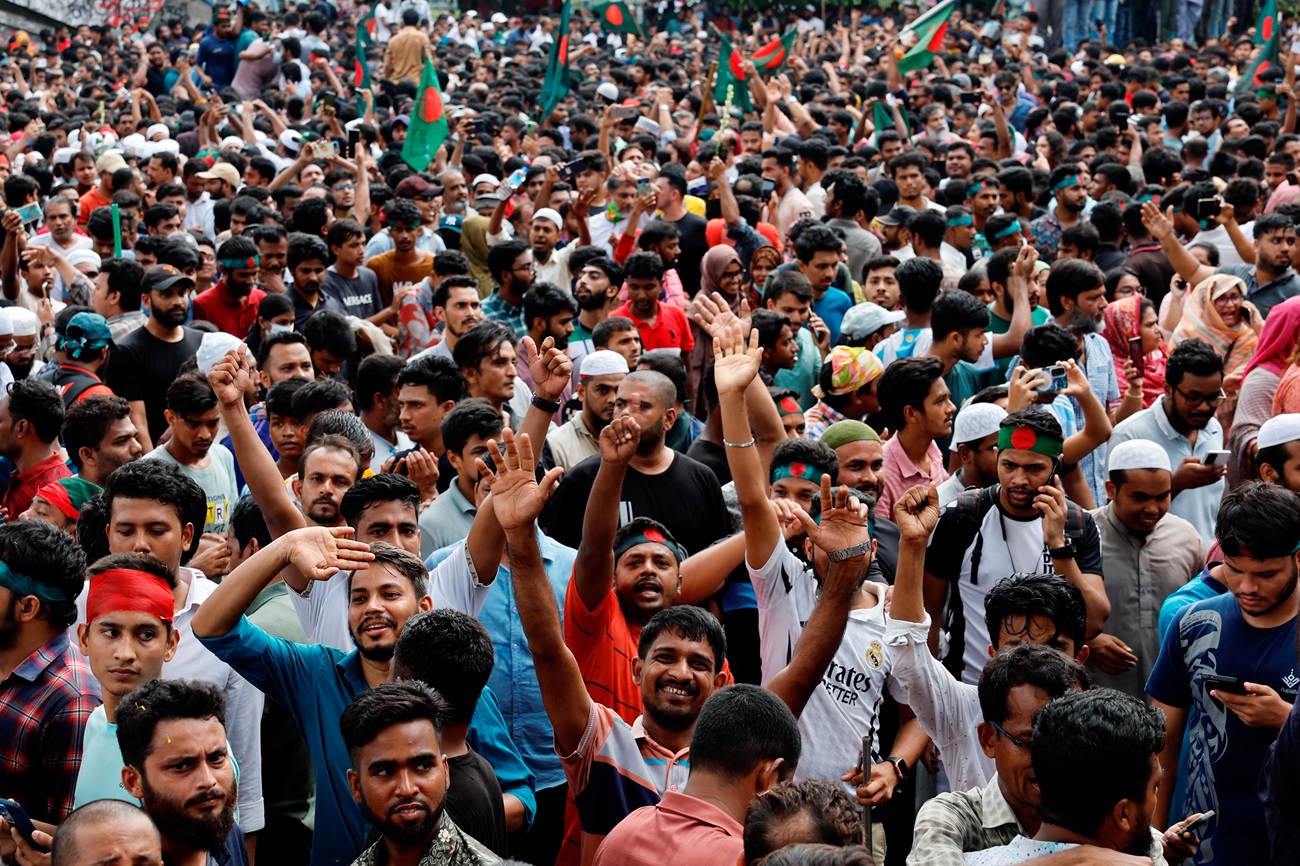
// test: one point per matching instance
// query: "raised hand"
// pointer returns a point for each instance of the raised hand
(843, 520)
(231, 376)
(320, 552)
(1159, 223)
(917, 513)
(551, 368)
(712, 313)
(517, 497)
(735, 364)
(619, 439)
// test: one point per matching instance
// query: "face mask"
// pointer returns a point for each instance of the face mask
(280, 329)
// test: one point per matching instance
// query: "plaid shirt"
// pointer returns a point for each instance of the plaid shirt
(44, 705)
(494, 307)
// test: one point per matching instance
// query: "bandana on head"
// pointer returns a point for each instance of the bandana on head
(852, 367)
(21, 584)
(1011, 438)
(788, 406)
(649, 536)
(806, 471)
(965, 220)
(68, 495)
(250, 262)
(1008, 231)
(979, 187)
(129, 589)
(1072, 180)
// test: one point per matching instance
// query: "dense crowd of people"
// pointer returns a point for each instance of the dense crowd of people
(672, 435)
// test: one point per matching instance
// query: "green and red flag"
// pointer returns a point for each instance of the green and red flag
(558, 80)
(930, 29)
(366, 28)
(362, 72)
(616, 17)
(882, 117)
(429, 128)
(731, 86)
(771, 56)
(1263, 68)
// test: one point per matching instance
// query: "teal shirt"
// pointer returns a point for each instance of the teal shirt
(803, 375)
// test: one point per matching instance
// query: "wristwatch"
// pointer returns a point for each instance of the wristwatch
(1065, 551)
(900, 765)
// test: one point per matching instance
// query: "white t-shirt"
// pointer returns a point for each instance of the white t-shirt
(847, 706)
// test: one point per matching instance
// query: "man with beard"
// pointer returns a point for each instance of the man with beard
(1233, 651)
(177, 764)
(1076, 297)
(194, 419)
(146, 361)
(1108, 805)
(643, 480)
(1022, 524)
(544, 233)
(47, 692)
(457, 305)
(99, 437)
(308, 257)
(1149, 553)
(549, 311)
(31, 415)
(231, 304)
(385, 587)
(596, 291)
(394, 732)
(1071, 197)
(512, 268)
(578, 439)
(1182, 422)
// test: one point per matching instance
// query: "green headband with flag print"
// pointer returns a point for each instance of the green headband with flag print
(649, 535)
(249, 262)
(1013, 438)
(1008, 231)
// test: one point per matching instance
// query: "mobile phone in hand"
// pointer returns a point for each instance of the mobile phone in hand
(1135, 353)
(16, 817)
(1231, 685)
(1216, 458)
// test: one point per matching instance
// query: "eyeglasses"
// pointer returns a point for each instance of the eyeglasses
(530, 267)
(733, 275)
(344, 187)
(1212, 401)
(1023, 745)
(1234, 298)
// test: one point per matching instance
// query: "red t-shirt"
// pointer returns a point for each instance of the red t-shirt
(23, 485)
(89, 203)
(232, 316)
(670, 330)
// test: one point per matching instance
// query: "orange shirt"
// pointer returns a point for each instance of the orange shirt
(89, 203)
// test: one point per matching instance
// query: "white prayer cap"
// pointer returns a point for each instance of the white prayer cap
(6, 328)
(974, 422)
(134, 145)
(602, 362)
(547, 213)
(167, 145)
(1278, 429)
(213, 348)
(232, 141)
(83, 257)
(1137, 454)
(157, 129)
(65, 155)
(23, 321)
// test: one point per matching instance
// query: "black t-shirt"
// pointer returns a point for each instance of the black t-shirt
(474, 800)
(143, 369)
(686, 498)
(713, 456)
(694, 246)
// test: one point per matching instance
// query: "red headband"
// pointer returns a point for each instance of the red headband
(57, 495)
(129, 589)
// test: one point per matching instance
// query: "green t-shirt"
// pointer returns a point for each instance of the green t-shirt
(964, 381)
(999, 325)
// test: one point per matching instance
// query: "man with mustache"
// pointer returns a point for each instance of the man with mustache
(145, 362)
(1022, 524)
(194, 420)
(596, 290)
(231, 304)
(177, 764)
(400, 777)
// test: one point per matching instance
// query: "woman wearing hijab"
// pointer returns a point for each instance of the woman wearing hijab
(473, 243)
(1262, 381)
(720, 272)
(1217, 312)
(1134, 316)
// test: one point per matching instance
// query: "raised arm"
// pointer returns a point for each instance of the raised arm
(318, 553)
(593, 570)
(1160, 224)
(563, 693)
(843, 530)
(916, 513)
(1096, 421)
(1022, 319)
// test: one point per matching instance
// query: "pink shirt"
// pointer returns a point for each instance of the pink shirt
(899, 475)
(680, 830)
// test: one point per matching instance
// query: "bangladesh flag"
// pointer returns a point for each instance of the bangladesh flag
(362, 80)
(732, 84)
(771, 56)
(882, 117)
(930, 29)
(428, 128)
(558, 79)
(617, 17)
(1266, 64)
(366, 29)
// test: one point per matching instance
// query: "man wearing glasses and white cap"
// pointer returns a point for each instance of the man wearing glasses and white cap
(1149, 553)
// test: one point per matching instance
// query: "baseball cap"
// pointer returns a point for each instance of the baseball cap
(403, 119)
(975, 421)
(451, 222)
(86, 331)
(499, 18)
(222, 171)
(899, 215)
(292, 140)
(416, 187)
(163, 277)
(863, 320)
(110, 162)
